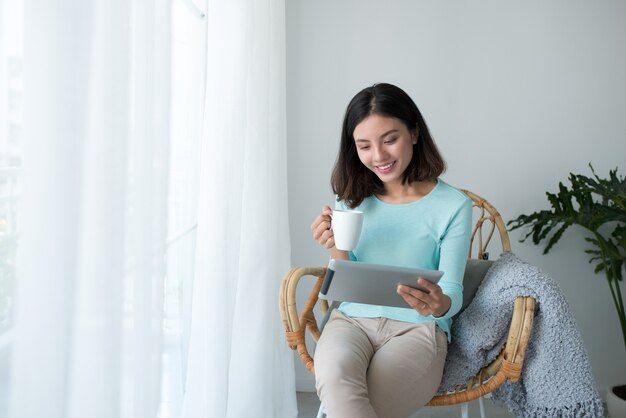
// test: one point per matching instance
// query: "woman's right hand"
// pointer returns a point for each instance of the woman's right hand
(321, 228)
(324, 235)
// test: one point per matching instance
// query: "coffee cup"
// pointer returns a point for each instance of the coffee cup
(346, 226)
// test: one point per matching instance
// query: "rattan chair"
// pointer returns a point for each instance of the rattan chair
(508, 364)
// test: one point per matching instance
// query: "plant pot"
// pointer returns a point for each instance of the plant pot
(616, 401)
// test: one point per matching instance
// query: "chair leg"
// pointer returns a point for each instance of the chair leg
(320, 412)
(465, 410)
(482, 408)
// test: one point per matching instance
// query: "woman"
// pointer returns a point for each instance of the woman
(376, 361)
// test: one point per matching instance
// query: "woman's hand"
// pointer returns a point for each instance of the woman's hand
(324, 235)
(321, 228)
(432, 302)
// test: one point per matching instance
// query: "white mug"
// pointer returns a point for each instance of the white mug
(346, 226)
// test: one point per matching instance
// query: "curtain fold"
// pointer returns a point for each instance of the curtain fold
(238, 363)
(88, 318)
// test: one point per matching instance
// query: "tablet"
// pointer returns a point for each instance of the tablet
(374, 284)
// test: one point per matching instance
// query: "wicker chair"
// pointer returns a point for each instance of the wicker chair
(508, 364)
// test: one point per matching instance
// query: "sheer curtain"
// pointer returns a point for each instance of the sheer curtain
(238, 362)
(89, 288)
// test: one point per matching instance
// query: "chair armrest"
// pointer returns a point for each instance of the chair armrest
(295, 324)
(519, 335)
(508, 364)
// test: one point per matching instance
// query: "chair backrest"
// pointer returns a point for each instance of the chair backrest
(485, 224)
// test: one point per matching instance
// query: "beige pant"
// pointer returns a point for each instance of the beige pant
(378, 367)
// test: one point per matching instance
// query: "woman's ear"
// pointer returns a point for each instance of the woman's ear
(415, 135)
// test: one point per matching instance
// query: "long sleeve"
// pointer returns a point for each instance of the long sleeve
(453, 257)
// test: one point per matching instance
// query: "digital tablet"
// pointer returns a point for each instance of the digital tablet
(374, 284)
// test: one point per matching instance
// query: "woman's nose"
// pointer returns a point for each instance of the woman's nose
(379, 154)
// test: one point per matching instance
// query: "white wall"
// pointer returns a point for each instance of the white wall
(516, 94)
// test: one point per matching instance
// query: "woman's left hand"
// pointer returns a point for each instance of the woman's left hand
(432, 302)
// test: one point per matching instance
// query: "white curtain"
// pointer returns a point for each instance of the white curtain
(88, 311)
(238, 362)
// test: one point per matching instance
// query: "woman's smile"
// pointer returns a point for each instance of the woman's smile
(384, 169)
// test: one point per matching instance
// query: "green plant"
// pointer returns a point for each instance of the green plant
(599, 206)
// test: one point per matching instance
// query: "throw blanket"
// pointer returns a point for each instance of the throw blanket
(556, 379)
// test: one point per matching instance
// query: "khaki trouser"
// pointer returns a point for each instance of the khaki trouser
(378, 367)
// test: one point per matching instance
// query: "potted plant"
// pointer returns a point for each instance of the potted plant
(598, 205)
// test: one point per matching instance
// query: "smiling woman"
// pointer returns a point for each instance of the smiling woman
(385, 146)
(390, 149)
(378, 360)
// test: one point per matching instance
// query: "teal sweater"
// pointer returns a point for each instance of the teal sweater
(430, 233)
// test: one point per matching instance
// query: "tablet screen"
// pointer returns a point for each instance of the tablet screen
(374, 284)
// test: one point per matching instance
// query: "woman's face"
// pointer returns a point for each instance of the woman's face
(385, 146)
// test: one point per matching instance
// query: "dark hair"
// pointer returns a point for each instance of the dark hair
(351, 180)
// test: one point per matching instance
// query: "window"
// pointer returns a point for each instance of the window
(11, 85)
(10, 152)
(188, 75)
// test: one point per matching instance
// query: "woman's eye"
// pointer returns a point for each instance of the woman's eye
(391, 141)
(365, 148)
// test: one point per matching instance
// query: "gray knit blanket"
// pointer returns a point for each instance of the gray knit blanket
(556, 378)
